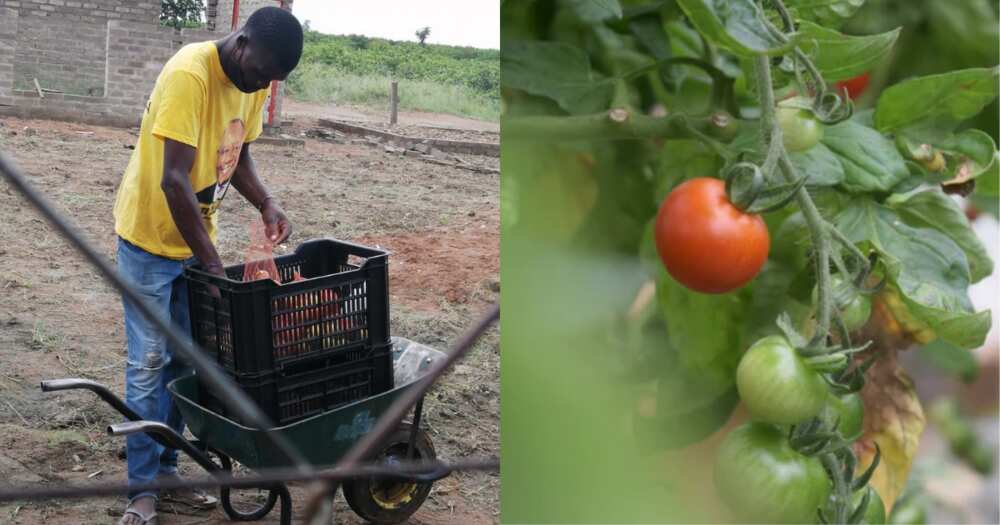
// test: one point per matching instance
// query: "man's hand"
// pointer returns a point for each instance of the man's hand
(276, 225)
(214, 268)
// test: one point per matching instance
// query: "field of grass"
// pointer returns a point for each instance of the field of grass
(321, 83)
(357, 70)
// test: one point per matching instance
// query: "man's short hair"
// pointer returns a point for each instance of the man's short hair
(278, 31)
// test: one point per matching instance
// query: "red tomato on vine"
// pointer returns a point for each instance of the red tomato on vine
(706, 243)
(855, 86)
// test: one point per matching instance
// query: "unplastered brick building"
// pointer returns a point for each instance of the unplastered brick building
(96, 61)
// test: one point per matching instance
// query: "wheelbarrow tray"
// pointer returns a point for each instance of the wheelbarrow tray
(323, 439)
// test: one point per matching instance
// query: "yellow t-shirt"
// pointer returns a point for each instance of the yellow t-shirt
(193, 102)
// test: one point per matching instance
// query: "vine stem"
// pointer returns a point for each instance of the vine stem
(617, 124)
(771, 132)
(841, 487)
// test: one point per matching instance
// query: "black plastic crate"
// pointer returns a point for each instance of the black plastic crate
(260, 327)
(313, 386)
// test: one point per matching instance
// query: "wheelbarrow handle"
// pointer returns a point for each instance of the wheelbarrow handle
(167, 437)
(54, 385)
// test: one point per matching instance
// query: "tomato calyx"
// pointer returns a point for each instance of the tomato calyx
(817, 353)
(748, 190)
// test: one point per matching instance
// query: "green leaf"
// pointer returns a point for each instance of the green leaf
(557, 71)
(929, 269)
(826, 12)
(935, 210)
(680, 160)
(951, 358)
(975, 151)
(736, 25)
(649, 30)
(595, 11)
(870, 161)
(820, 164)
(936, 100)
(988, 184)
(705, 329)
(840, 56)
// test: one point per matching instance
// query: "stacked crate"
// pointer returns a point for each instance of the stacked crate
(315, 342)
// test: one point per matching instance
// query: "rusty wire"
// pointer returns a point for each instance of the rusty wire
(234, 398)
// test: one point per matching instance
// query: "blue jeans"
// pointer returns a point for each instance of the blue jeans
(152, 362)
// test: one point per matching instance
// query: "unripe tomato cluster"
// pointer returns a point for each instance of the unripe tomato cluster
(779, 389)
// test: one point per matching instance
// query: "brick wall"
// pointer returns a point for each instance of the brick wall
(89, 11)
(114, 58)
(224, 12)
(8, 36)
(62, 54)
(61, 42)
(136, 53)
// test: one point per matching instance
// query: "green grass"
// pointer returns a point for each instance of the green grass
(322, 83)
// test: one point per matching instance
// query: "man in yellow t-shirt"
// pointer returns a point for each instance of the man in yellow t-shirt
(205, 110)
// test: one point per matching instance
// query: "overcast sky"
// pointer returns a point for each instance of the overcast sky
(473, 23)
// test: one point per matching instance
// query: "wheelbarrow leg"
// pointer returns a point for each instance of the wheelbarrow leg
(418, 411)
(167, 437)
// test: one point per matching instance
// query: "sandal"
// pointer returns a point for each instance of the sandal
(149, 519)
(194, 498)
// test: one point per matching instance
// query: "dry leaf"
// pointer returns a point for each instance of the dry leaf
(895, 420)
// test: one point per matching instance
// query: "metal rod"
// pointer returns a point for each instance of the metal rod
(228, 392)
(263, 478)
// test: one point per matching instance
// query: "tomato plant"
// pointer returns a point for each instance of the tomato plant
(763, 480)
(705, 242)
(778, 259)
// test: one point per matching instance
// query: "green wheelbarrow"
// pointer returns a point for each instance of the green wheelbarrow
(323, 439)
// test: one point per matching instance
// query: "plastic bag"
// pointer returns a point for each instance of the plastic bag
(260, 256)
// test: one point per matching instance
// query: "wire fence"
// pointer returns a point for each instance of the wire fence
(235, 399)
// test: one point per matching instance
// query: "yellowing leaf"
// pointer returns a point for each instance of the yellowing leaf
(894, 419)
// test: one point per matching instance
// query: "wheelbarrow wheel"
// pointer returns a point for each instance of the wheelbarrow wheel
(387, 501)
(246, 512)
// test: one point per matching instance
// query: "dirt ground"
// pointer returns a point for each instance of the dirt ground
(408, 123)
(58, 319)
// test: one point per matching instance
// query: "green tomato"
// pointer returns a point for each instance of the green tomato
(908, 510)
(799, 130)
(875, 513)
(776, 384)
(849, 411)
(763, 480)
(855, 308)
